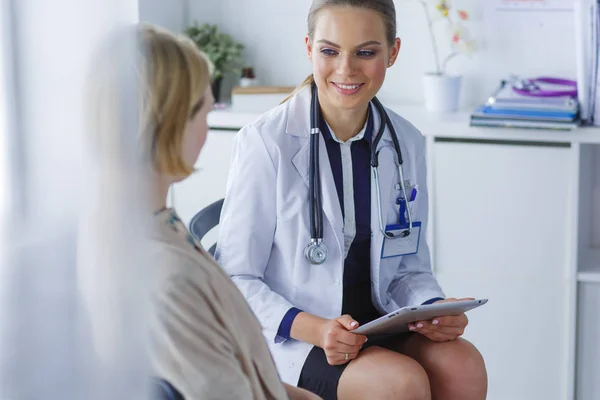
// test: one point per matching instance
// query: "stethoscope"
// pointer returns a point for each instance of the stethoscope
(530, 87)
(316, 251)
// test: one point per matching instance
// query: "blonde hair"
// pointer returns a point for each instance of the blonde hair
(385, 8)
(168, 75)
(144, 84)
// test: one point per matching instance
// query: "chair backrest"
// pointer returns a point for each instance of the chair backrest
(205, 220)
(163, 390)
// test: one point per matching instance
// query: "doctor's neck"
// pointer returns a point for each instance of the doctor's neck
(345, 123)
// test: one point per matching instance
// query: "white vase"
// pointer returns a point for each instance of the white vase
(442, 92)
(248, 82)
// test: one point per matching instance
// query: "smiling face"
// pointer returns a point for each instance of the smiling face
(350, 55)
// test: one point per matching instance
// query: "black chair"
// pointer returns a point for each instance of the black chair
(163, 390)
(205, 220)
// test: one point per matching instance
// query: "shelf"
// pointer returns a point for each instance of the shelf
(590, 266)
(225, 119)
(443, 125)
(589, 276)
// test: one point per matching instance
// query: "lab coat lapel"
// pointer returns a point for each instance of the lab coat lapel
(298, 124)
(331, 205)
(387, 180)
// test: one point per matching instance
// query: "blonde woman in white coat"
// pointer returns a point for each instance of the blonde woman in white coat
(309, 311)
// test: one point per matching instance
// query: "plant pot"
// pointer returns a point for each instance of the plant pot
(248, 82)
(216, 89)
(442, 92)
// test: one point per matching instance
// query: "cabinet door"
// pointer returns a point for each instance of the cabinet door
(208, 183)
(501, 233)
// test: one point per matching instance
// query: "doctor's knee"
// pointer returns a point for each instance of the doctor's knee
(386, 375)
(412, 383)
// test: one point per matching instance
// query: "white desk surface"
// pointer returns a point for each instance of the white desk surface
(448, 125)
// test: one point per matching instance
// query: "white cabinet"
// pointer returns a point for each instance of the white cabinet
(208, 183)
(501, 232)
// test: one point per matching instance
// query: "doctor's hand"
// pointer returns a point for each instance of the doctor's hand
(442, 329)
(338, 342)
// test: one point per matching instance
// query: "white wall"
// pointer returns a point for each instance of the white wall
(524, 43)
(170, 14)
(206, 11)
(273, 32)
(176, 15)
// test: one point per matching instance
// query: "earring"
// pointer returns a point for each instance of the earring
(390, 64)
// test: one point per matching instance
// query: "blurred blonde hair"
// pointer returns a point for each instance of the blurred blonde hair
(176, 75)
(143, 87)
(158, 76)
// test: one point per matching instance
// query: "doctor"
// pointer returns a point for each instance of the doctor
(323, 226)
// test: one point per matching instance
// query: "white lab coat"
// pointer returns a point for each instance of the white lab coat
(264, 226)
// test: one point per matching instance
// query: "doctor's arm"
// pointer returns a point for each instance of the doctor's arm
(247, 228)
(334, 336)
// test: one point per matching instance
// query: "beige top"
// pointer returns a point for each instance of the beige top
(205, 339)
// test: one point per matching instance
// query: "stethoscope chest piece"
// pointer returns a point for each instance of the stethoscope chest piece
(316, 252)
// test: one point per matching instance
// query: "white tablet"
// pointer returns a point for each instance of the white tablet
(397, 321)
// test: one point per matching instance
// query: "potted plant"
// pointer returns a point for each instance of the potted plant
(221, 49)
(441, 90)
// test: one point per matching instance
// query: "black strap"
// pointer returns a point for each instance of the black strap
(314, 178)
(385, 121)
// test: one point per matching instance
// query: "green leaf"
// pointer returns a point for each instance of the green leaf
(224, 52)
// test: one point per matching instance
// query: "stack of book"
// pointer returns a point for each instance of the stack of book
(506, 108)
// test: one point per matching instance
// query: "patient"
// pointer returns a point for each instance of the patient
(205, 340)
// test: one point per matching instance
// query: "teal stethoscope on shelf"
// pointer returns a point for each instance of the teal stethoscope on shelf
(316, 251)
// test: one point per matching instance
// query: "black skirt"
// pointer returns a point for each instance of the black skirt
(317, 375)
(322, 379)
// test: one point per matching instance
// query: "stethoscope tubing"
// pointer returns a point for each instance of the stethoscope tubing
(316, 210)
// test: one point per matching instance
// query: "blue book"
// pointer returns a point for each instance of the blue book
(548, 115)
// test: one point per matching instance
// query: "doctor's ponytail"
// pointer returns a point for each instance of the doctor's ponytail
(306, 83)
(385, 8)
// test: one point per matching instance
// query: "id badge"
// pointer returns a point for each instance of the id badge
(401, 246)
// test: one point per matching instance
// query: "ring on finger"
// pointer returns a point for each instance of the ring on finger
(346, 357)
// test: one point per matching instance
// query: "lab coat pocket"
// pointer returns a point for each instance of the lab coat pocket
(414, 210)
(413, 195)
(287, 254)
